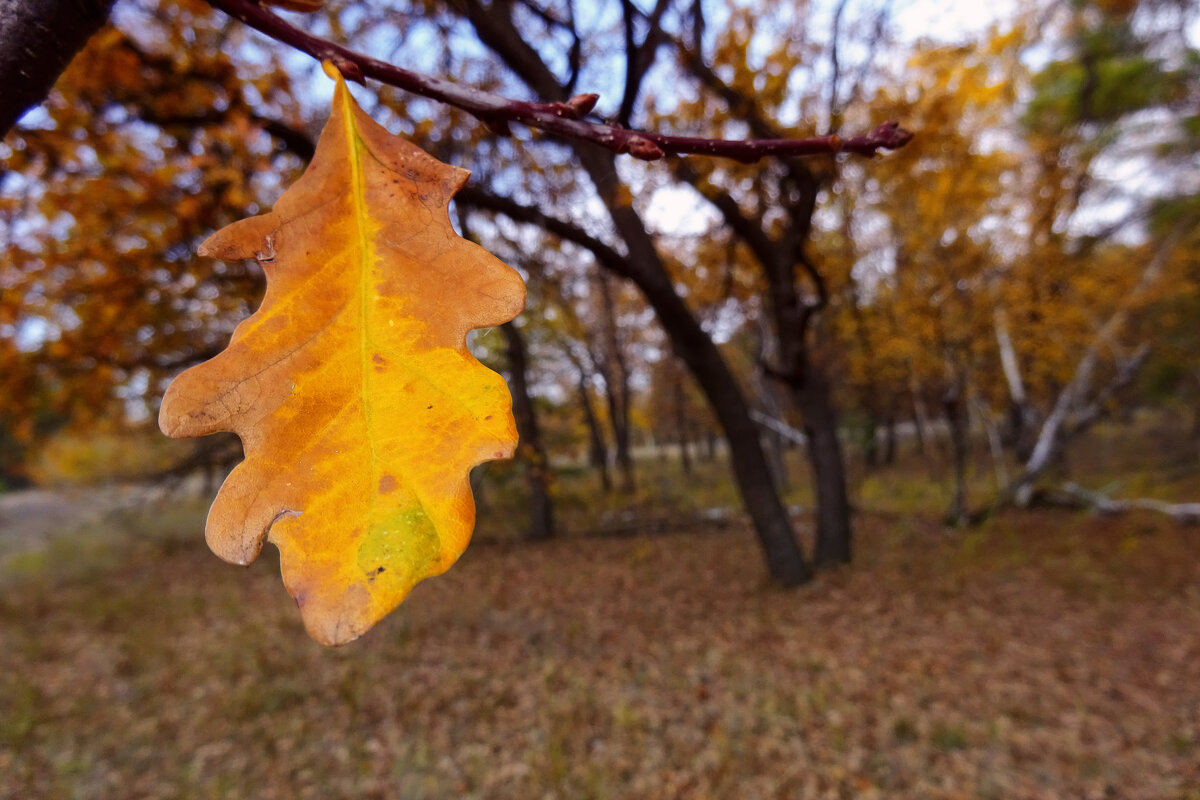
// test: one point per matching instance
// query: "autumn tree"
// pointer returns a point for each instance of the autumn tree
(177, 117)
(1120, 92)
(946, 221)
(104, 293)
(1022, 263)
(786, 190)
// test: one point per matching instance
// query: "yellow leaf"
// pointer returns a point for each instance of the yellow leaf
(359, 407)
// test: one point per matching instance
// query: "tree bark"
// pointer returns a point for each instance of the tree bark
(956, 420)
(597, 449)
(616, 383)
(530, 450)
(920, 418)
(681, 426)
(825, 457)
(889, 441)
(38, 38)
(771, 399)
(871, 443)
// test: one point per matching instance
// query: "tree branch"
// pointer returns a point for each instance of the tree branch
(1188, 513)
(562, 119)
(475, 197)
(639, 58)
(37, 41)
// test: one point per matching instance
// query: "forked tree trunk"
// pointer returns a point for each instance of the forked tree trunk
(691, 343)
(643, 265)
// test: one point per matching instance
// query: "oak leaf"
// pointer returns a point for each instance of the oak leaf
(360, 409)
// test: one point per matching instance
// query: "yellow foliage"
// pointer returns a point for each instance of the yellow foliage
(358, 404)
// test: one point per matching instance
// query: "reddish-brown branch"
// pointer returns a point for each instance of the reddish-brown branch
(559, 119)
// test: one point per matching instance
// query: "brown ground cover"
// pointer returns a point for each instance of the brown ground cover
(1045, 655)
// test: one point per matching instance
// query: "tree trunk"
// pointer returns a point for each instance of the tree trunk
(956, 420)
(774, 447)
(38, 38)
(691, 343)
(920, 417)
(772, 401)
(642, 266)
(616, 384)
(530, 450)
(871, 443)
(681, 432)
(825, 457)
(889, 441)
(597, 448)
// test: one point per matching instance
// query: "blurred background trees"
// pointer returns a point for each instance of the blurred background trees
(973, 303)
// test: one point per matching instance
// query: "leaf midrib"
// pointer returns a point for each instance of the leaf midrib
(355, 146)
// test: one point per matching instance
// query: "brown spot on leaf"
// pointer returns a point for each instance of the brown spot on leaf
(387, 483)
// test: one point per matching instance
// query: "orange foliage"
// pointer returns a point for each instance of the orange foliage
(359, 406)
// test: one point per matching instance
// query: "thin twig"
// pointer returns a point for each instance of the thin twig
(559, 119)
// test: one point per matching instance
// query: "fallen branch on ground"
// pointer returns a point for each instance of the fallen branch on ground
(1097, 501)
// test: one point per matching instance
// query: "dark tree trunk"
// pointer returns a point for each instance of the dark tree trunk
(530, 449)
(834, 535)
(918, 418)
(1021, 430)
(871, 444)
(772, 401)
(597, 445)
(597, 448)
(956, 420)
(784, 559)
(38, 38)
(793, 316)
(774, 446)
(681, 432)
(889, 441)
(616, 384)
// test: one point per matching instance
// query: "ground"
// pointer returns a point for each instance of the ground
(1047, 654)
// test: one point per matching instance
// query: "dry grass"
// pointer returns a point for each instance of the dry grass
(1043, 656)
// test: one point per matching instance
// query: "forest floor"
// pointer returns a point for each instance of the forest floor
(1045, 654)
